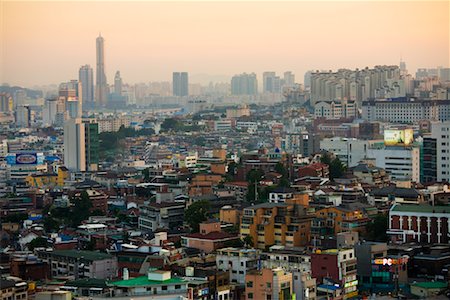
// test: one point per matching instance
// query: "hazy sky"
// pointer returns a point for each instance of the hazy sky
(47, 42)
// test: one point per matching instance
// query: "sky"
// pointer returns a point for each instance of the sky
(47, 42)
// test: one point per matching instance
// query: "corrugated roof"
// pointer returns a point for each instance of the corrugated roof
(144, 281)
(421, 208)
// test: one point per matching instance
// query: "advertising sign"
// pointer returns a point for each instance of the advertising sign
(25, 158)
(396, 137)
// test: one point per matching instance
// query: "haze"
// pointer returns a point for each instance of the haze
(47, 42)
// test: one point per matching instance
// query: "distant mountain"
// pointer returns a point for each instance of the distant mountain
(12, 89)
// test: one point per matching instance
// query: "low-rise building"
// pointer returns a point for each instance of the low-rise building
(419, 223)
(168, 215)
(80, 264)
(237, 262)
(268, 284)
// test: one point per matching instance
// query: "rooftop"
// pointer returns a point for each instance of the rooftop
(144, 281)
(86, 255)
(421, 208)
(431, 285)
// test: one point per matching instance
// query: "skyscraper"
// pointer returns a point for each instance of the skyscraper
(180, 84)
(271, 83)
(74, 145)
(86, 77)
(118, 84)
(100, 82)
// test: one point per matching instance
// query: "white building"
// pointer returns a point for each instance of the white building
(49, 112)
(74, 145)
(402, 163)
(440, 131)
(237, 262)
(406, 110)
(349, 150)
(335, 109)
(222, 125)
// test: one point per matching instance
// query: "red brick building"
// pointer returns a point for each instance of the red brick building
(424, 224)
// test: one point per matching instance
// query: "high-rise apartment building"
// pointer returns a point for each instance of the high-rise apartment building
(49, 112)
(6, 102)
(180, 84)
(101, 88)
(289, 79)
(86, 78)
(271, 83)
(357, 85)
(244, 84)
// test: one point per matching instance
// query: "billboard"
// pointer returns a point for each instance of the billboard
(398, 137)
(25, 158)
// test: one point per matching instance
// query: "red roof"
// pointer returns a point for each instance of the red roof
(238, 183)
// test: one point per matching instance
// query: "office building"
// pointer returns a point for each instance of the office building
(74, 145)
(101, 86)
(436, 153)
(244, 84)
(404, 110)
(180, 84)
(81, 145)
(86, 78)
(397, 155)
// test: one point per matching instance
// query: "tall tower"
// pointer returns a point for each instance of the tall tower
(100, 82)
(85, 76)
(180, 84)
(118, 84)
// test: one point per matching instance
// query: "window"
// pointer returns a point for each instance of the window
(269, 285)
(177, 286)
(164, 288)
(250, 295)
(249, 284)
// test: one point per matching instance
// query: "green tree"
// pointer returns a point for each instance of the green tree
(253, 177)
(248, 241)
(37, 243)
(15, 218)
(376, 230)
(196, 213)
(50, 224)
(325, 158)
(81, 210)
(337, 169)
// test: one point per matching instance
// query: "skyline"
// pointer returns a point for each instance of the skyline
(217, 43)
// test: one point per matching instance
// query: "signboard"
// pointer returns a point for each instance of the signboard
(25, 158)
(390, 261)
(351, 283)
(396, 137)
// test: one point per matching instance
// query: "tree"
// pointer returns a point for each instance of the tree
(37, 243)
(146, 174)
(50, 224)
(81, 209)
(196, 213)
(337, 169)
(376, 230)
(231, 170)
(248, 241)
(253, 177)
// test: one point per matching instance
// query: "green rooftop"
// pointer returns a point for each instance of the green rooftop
(431, 285)
(86, 255)
(143, 281)
(421, 208)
